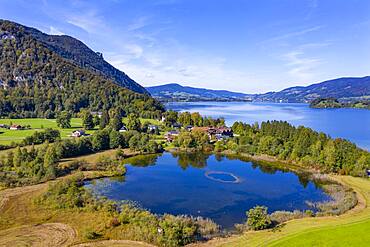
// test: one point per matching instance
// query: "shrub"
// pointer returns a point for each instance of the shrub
(92, 235)
(206, 227)
(279, 217)
(258, 219)
(177, 230)
(343, 199)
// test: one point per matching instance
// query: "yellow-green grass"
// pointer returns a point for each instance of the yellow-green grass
(38, 124)
(91, 158)
(21, 210)
(348, 229)
(18, 211)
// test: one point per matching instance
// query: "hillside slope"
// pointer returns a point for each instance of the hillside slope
(344, 89)
(76, 51)
(176, 92)
(347, 89)
(38, 79)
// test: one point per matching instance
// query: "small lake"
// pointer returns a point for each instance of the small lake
(351, 124)
(210, 186)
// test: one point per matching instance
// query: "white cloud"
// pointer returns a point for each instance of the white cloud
(301, 67)
(138, 23)
(296, 33)
(135, 50)
(89, 21)
(55, 31)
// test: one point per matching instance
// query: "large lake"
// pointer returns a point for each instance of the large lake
(219, 188)
(352, 124)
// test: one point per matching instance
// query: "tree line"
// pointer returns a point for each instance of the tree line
(32, 165)
(193, 119)
(301, 145)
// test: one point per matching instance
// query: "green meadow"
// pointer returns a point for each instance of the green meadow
(38, 124)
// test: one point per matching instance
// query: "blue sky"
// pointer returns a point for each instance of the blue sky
(243, 45)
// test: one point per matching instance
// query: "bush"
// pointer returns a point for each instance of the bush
(177, 230)
(279, 217)
(258, 219)
(49, 135)
(92, 235)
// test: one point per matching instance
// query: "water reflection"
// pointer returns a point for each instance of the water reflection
(335, 122)
(178, 184)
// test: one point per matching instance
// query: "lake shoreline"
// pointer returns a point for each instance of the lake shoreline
(91, 175)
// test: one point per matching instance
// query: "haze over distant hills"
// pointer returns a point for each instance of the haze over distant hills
(176, 92)
(343, 89)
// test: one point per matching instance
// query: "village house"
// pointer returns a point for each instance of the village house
(171, 135)
(218, 133)
(152, 128)
(97, 113)
(177, 125)
(15, 127)
(123, 129)
(78, 133)
(189, 127)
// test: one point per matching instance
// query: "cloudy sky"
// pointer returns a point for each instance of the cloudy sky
(243, 45)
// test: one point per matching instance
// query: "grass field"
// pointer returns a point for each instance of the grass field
(19, 211)
(37, 124)
(349, 229)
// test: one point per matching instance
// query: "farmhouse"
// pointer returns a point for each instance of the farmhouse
(123, 129)
(171, 135)
(97, 113)
(15, 127)
(189, 127)
(177, 125)
(152, 128)
(78, 133)
(218, 133)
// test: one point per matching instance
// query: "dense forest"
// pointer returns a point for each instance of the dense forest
(37, 82)
(302, 145)
(334, 103)
(298, 145)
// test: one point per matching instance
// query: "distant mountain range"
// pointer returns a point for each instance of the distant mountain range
(343, 89)
(176, 92)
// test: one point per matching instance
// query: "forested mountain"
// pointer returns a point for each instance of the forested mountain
(176, 92)
(42, 74)
(348, 89)
(343, 89)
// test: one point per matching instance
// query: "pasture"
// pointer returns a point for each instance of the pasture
(38, 124)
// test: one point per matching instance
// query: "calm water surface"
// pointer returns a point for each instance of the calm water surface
(204, 185)
(352, 124)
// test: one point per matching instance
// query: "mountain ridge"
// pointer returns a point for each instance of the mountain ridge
(343, 89)
(76, 51)
(175, 91)
(37, 81)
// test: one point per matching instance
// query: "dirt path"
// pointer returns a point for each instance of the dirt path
(51, 234)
